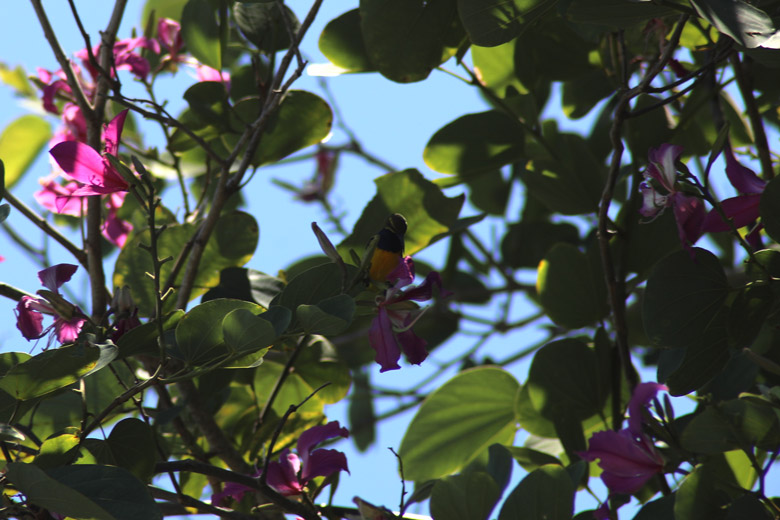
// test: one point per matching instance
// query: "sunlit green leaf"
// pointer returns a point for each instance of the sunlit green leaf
(458, 421)
(20, 143)
(468, 496)
(200, 32)
(342, 43)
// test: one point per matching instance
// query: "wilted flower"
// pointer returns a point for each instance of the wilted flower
(628, 458)
(659, 191)
(390, 331)
(30, 310)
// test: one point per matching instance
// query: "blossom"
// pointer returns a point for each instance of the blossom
(30, 310)
(84, 164)
(659, 191)
(744, 208)
(390, 331)
(169, 34)
(125, 57)
(320, 185)
(628, 458)
(290, 475)
(206, 73)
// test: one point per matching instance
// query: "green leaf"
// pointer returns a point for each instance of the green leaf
(200, 32)
(547, 492)
(429, 213)
(737, 423)
(59, 450)
(530, 459)
(342, 43)
(571, 288)
(113, 489)
(406, 39)
(458, 421)
(54, 369)
(362, 417)
(231, 244)
(143, 339)
(564, 380)
(684, 296)
(526, 243)
(660, 509)
(44, 491)
(496, 68)
(470, 496)
(698, 497)
(615, 13)
(200, 335)
(263, 24)
(294, 390)
(16, 78)
(312, 286)
(303, 119)
(20, 143)
(329, 317)
(245, 331)
(494, 22)
(239, 283)
(163, 9)
(475, 143)
(704, 358)
(132, 444)
(746, 24)
(769, 207)
(208, 101)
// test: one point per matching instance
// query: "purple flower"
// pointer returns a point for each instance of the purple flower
(659, 191)
(628, 458)
(30, 310)
(169, 33)
(85, 165)
(390, 331)
(290, 475)
(742, 209)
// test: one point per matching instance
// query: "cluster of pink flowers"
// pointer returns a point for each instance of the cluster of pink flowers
(83, 170)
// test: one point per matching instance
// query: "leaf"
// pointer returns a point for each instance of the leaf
(245, 331)
(698, 497)
(564, 380)
(547, 492)
(744, 23)
(143, 339)
(362, 417)
(200, 33)
(704, 358)
(113, 489)
(494, 22)
(303, 119)
(20, 143)
(458, 421)
(312, 286)
(526, 243)
(475, 143)
(429, 213)
(200, 335)
(132, 445)
(42, 490)
(54, 369)
(406, 39)
(571, 288)
(683, 297)
(470, 496)
(208, 101)
(262, 23)
(769, 207)
(239, 283)
(231, 244)
(341, 42)
(530, 459)
(615, 13)
(329, 317)
(163, 9)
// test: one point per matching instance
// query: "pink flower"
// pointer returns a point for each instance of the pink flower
(124, 56)
(116, 230)
(628, 458)
(659, 191)
(30, 310)
(85, 165)
(292, 472)
(390, 331)
(51, 195)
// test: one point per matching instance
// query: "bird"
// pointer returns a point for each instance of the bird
(385, 249)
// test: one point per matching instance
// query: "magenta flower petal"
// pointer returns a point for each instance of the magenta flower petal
(413, 347)
(317, 434)
(643, 394)
(80, 161)
(113, 132)
(322, 463)
(68, 330)
(741, 177)
(742, 210)
(424, 291)
(627, 462)
(382, 339)
(169, 32)
(59, 199)
(662, 164)
(689, 214)
(28, 320)
(283, 475)
(53, 277)
(403, 274)
(232, 490)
